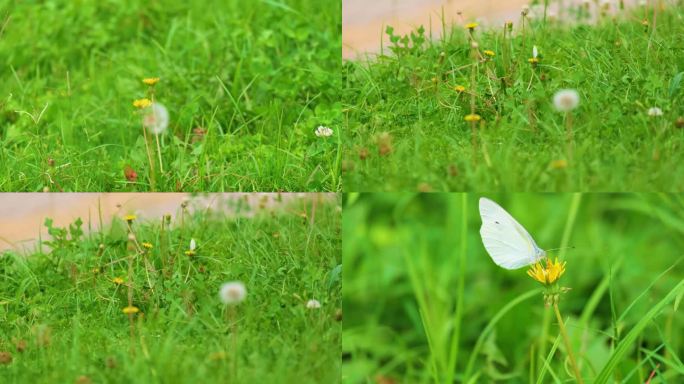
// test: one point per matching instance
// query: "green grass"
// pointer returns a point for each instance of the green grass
(258, 76)
(425, 303)
(405, 127)
(67, 310)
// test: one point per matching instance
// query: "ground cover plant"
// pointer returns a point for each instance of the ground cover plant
(204, 297)
(425, 303)
(485, 108)
(244, 86)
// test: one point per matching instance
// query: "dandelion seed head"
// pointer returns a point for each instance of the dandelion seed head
(156, 118)
(323, 131)
(566, 100)
(655, 112)
(232, 292)
(313, 304)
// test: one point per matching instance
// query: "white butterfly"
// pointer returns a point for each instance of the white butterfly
(506, 241)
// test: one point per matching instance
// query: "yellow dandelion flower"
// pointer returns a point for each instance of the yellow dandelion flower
(459, 88)
(118, 280)
(533, 60)
(151, 80)
(549, 274)
(471, 26)
(559, 164)
(129, 218)
(489, 53)
(190, 252)
(147, 245)
(142, 103)
(130, 310)
(472, 117)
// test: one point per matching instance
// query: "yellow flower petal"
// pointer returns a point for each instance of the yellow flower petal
(151, 80)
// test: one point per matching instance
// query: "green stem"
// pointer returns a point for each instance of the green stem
(568, 346)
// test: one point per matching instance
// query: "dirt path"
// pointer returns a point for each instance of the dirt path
(23, 214)
(363, 21)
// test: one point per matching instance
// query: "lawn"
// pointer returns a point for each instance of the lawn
(61, 310)
(406, 110)
(425, 303)
(245, 83)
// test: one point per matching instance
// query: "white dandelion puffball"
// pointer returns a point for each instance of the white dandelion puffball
(322, 131)
(655, 112)
(233, 292)
(156, 118)
(566, 100)
(193, 244)
(313, 304)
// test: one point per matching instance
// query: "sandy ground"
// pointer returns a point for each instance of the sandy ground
(364, 21)
(23, 214)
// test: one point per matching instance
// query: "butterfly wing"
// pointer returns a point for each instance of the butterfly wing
(506, 241)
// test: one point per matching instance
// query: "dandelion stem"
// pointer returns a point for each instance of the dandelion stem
(149, 160)
(568, 346)
(161, 165)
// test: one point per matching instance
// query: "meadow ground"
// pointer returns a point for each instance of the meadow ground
(61, 317)
(424, 302)
(406, 110)
(246, 84)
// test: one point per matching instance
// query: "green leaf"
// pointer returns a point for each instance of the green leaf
(627, 342)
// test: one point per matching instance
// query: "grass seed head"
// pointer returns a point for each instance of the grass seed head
(5, 358)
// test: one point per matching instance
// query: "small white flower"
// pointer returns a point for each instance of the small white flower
(535, 52)
(655, 111)
(232, 292)
(313, 304)
(566, 100)
(193, 244)
(156, 118)
(322, 131)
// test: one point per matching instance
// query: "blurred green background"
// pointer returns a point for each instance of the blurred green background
(410, 258)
